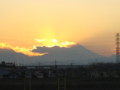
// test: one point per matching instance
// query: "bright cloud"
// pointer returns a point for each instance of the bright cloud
(25, 51)
(54, 42)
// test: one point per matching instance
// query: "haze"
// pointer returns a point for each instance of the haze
(91, 23)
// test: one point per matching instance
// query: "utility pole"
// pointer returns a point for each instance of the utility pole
(65, 84)
(55, 64)
(117, 48)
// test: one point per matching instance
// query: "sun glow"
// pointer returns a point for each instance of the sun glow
(54, 42)
(26, 51)
(43, 42)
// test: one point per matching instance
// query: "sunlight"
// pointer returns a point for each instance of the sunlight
(25, 51)
(54, 42)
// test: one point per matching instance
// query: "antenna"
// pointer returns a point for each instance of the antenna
(117, 48)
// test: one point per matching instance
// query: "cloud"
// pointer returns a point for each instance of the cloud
(42, 42)
(25, 51)
(54, 42)
(76, 54)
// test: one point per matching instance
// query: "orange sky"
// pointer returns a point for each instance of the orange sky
(91, 23)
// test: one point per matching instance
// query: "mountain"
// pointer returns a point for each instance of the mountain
(9, 55)
(76, 55)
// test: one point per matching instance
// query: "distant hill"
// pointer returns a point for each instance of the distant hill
(76, 55)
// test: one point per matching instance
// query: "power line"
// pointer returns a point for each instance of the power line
(118, 48)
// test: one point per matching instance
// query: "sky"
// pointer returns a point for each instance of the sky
(91, 23)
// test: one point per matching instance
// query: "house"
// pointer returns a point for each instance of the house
(39, 74)
(28, 74)
(4, 73)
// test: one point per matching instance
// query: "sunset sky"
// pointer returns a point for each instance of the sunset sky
(91, 23)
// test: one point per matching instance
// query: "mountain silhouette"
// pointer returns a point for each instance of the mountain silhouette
(77, 55)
